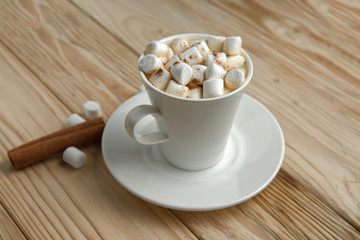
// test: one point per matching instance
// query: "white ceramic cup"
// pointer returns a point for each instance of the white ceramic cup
(193, 133)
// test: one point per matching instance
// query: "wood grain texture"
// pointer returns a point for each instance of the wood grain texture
(8, 229)
(306, 59)
(50, 200)
(55, 55)
(63, 50)
(284, 210)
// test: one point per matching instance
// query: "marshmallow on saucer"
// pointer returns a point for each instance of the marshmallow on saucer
(234, 78)
(181, 72)
(218, 58)
(74, 157)
(213, 87)
(191, 56)
(92, 109)
(215, 71)
(176, 89)
(171, 62)
(232, 46)
(179, 44)
(149, 64)
(235, 61)
(195, 93)
(216, 43)
(202, 47)
(160, 78)
(157, 48)
(198, 75)
(74, 119)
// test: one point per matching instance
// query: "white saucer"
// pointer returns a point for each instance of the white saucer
(254, 156)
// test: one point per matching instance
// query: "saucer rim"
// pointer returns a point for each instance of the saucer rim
(187, 208)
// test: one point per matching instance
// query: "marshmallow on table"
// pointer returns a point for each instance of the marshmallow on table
(203, 48)
(171, 62)
(74, 157)
(218, 58)
(160, 78)
(149, 64)
(176, 89)
(179, 44)
(198, 75)
(181, 72)
(234, 78)
(215, 43)
(92, 109)
(191, 56)
(74, 119)
(232, 46)
(215, 71)
(235, 61)
(195, 93)
(213, 87)
(157, 48)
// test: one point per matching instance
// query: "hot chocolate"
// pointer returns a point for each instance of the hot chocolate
(200, 68)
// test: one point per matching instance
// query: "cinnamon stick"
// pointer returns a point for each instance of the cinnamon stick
(44, 147)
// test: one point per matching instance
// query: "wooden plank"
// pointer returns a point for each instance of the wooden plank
(74, 57)
(50, 200)
(306, 73)
(8, 229)
(43, 75)
(284, 210)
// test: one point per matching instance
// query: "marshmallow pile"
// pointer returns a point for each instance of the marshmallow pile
(201, 68)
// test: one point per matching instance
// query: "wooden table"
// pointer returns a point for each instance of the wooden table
(55, 55)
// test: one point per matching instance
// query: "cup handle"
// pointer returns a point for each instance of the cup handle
(138, 113)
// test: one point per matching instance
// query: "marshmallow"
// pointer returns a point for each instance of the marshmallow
(179, 45)
(181, 72)
(167, 57)
(243, 70)
(232, 46)
(213, 87)
(176, 89)
(170, 53)
(235, 61)
(215, 71)
(160, 78)
(195, 93)
(198, 76)
(171, 62)
(163, 60)
(74, 119)
(203, 48)
(92, 109)
(149, 64)
(234, 78)
(216, 43)
(74, 157)
(192, 42)
(218, 58)
(191, 56)
(157, 48)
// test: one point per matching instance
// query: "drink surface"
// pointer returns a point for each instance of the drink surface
(195, 68)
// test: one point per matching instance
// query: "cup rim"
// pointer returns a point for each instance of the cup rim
(248, 62)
